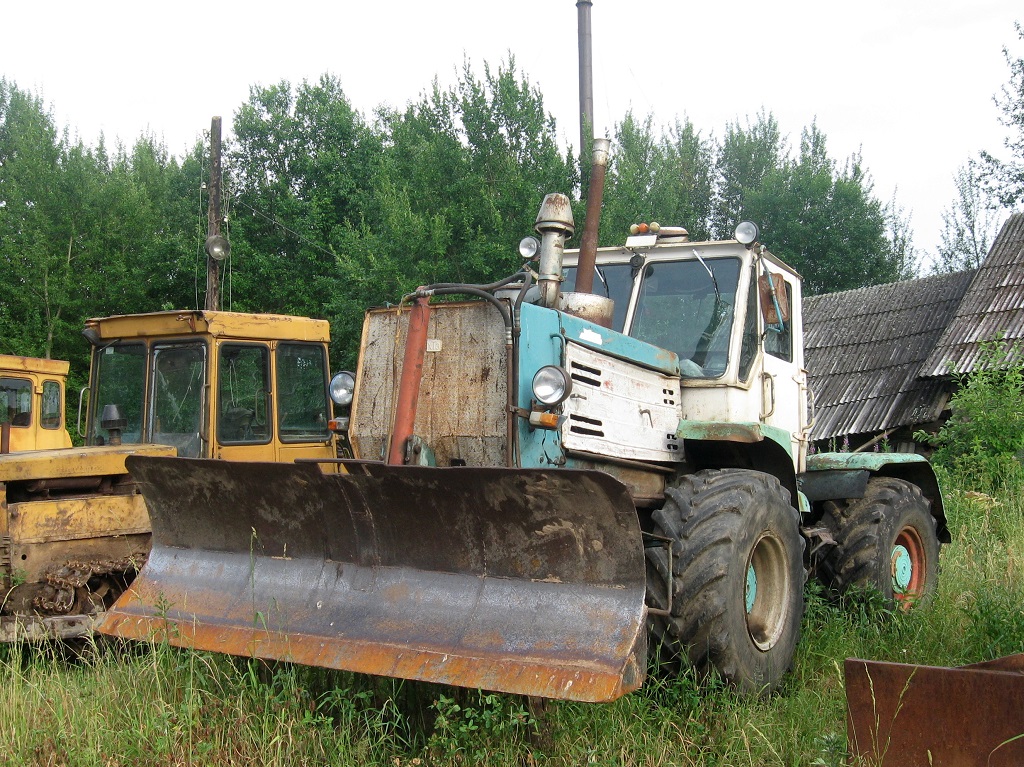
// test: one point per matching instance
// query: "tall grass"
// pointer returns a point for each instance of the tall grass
(159, 705)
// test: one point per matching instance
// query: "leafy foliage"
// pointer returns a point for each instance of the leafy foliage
(1007, 176)
(330, 212)
(969, 225)
(983, 441)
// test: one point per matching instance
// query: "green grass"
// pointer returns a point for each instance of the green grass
(164, 706)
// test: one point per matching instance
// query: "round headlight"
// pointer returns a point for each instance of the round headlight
(551, 385)
(528, 247)
(746, 232)
(343, 386)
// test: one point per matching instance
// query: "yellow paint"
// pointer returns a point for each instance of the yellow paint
(72, 462)
(77, 518)
(32, 435)
(235, 325)
(47, 527)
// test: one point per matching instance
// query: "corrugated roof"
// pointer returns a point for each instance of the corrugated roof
(993, 305)
(864, 349)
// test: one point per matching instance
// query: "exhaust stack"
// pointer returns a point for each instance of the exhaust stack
(595, 194)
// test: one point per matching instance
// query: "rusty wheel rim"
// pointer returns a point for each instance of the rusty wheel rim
(908, 566)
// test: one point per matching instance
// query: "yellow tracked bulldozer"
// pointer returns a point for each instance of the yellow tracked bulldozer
(220, 385)
(549, 484)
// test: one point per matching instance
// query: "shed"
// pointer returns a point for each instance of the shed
(992, 307)
(864, 350)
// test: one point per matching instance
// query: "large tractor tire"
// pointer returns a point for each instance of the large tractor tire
(736, 576)
(885, 541)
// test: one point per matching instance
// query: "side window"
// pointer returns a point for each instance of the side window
(242, 385)
(778, 337)
(748, 349)
(53, 406)
(16, 401)
(302, 409)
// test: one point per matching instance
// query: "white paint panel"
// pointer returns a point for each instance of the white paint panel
(619, 409)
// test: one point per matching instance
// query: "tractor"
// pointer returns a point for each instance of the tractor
(549, 487)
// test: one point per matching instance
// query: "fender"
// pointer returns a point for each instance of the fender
(845, 475)
(743, 445)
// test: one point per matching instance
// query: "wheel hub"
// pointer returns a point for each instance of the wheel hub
(766, 592)
(751, 592)
(902, 568)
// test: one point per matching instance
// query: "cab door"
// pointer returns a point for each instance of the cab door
(783, 378)
(243, 422)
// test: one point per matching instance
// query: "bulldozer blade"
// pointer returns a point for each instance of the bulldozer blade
(899, 714)
(515, 580)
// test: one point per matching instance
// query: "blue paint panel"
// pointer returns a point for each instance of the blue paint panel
(540, 344)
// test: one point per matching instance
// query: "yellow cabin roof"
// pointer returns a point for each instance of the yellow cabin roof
(10, 363)
(235, 325)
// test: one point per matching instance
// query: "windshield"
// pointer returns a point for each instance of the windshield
(614, 281)
(176, 403)
(688, 309)
(120, 381)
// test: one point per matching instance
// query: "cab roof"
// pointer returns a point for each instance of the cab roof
(234, 325)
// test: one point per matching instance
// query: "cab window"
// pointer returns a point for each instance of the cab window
(243, 386)
(748, 347)
(121, 381)
(778, 335)
(53, 405)
(176, 400)
(302, 410)
(16, 402)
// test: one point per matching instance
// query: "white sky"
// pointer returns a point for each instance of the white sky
(908, 82)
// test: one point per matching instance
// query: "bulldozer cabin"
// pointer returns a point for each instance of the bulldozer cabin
(221, 385)
(32, 396)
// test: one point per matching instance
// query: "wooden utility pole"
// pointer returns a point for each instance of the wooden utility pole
(213, 218)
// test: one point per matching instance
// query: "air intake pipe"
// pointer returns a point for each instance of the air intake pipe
(554, 225)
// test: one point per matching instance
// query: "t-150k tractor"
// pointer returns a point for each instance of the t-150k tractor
(551, 485)
(224, 385)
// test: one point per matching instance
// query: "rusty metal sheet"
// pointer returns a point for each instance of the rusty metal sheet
(900, 714)
(463, 389)
(521, 581)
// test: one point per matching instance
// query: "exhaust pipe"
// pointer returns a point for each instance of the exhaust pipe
(595, 194)
(555, 225)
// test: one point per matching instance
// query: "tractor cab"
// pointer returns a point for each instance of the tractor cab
(32, 403)
(729, 310)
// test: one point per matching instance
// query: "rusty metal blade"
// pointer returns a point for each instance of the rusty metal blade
(899, 714)
(522, 581)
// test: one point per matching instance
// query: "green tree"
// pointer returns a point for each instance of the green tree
(821, 218)
(668, 179)
(1007, 176)
(299, 172)
(746, 157)
(983, 441)
(83, 233)
(969, 224)
(461, 176)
